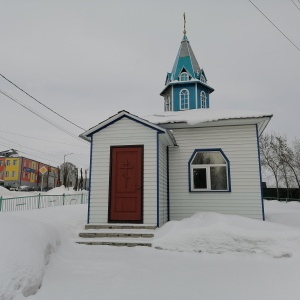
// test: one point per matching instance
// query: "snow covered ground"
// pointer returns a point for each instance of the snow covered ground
(209, 256)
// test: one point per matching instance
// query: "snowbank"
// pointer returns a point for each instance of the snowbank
(26, 246)
(226, 244)
(217, 234)
(28, 238)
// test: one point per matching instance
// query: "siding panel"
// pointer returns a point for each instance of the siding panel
(123, 132)
(239, 144)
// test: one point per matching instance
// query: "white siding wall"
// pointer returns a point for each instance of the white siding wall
(123, 132)
(163, 204)
(239, 144)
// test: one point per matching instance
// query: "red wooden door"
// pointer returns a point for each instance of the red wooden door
(126, 184)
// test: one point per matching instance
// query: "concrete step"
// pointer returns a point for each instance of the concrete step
(115, 234)
(129, 235)
(119, 226)
(119, 242)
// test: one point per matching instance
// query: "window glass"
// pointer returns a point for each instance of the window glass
(184, 76)
(8, 162)
(167, 103)
(209, 171)
(203, 99)
(218, 178)
(205, 158)
(184, 99)
(200, 181)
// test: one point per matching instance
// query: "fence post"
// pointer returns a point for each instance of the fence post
(0, 203)
(39, 202)
(81, 199)
(63, 199)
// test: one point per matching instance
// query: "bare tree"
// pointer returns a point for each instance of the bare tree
(67, 171)
(269, 157)
(81, 180)
(85, 178)
(76, 179)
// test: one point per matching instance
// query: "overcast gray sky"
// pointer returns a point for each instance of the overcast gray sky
(87, 60)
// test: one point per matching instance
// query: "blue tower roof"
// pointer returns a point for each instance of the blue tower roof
(185, 60)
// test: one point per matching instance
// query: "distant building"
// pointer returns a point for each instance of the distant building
(16, 171)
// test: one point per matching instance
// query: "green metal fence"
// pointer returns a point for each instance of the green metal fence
(40, 201)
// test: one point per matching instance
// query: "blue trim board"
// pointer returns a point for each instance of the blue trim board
(90, 181)
(121, 117)
(157, 179)
(228, 170)
(168, 185)
(260, 177)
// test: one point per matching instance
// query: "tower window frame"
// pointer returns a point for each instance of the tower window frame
(202, 78)
(168, 103)
(184, 99)
(184, 76)
(209, 171)
(203, 99)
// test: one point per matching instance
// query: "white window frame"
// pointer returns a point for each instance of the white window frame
(207, 168)
(202, 78)
(13, 174)
(184, 99)
(14, 162)
(168, 103)
(8, 162)
(6, 174)
(203, 99)
(184, 76)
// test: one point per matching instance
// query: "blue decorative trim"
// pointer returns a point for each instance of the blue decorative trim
(157, 180)
(90, 181)
(228, 170)
(168, 185)
(121, 117)
(260, 177)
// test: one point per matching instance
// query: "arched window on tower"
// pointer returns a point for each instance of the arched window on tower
(202, 78)
(168, 103)
(203, 99)
(184, 97)
(184, 76)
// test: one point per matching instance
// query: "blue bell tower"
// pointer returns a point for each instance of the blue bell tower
(186, 86)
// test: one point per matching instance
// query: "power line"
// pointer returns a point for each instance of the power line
(41, 103)
(274, 25)
(20, 145)
(296, 4)
(30, 137)
(39, 115)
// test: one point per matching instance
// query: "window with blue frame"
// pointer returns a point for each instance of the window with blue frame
(184, 97)
(203, 99)
(184, 76)
(209, 171)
